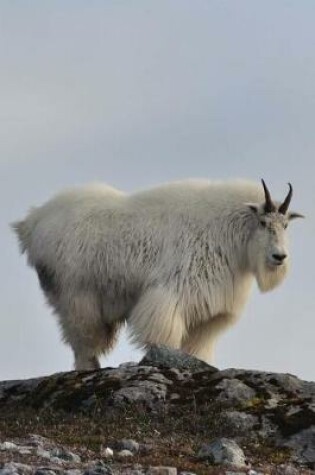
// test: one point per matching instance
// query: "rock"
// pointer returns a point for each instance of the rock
(128, 364)
(239, 423)
(303, 444)
(233, 391)
(162, 471)
(99, 469)
(8, 446)
(7, 471)
(45, 454)
(63, 454)
(170, 358)
(223, 451)
(14, 468)
(24, 451)
(288, 470)
(128, 444)
(37, 440)
(123, 454)
(46, 471)
(147, 393)
(267, 429)
(107, 452)
(57, 460)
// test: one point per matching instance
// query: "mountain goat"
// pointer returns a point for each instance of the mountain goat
(176, 262)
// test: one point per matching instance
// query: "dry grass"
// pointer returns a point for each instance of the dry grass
(174, 438)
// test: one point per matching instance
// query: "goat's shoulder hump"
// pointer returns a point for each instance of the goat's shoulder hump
(207, 190)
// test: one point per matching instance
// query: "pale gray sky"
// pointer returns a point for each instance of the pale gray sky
(134, 93)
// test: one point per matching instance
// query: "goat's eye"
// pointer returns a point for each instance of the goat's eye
(285, 226)
(263, 223)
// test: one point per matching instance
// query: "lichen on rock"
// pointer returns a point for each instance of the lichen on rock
(169, 402)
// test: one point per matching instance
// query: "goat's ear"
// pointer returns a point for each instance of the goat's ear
(253, 207)
(294, 215)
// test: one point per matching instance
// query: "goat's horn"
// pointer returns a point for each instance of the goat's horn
(269, 205)
(283, 208)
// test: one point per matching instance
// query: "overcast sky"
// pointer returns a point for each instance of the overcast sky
(135, 93)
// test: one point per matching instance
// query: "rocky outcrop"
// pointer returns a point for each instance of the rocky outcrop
(174, 409)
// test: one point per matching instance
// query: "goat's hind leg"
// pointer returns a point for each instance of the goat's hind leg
(87, 351)
(85, 330)
(70, 318)
(85, 359)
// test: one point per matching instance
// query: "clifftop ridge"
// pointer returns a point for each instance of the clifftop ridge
(171, 405)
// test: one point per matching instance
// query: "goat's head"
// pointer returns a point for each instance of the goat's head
(268, 249)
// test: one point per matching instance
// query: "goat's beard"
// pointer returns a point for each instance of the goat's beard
(269, 277)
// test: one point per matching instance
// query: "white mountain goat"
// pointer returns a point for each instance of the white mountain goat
(176, 262)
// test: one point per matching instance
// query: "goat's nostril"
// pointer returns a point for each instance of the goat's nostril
(279, 257)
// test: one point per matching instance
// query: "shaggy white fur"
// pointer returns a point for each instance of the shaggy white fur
(175, 262)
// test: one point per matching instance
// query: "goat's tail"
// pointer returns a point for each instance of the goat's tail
(23, 232)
